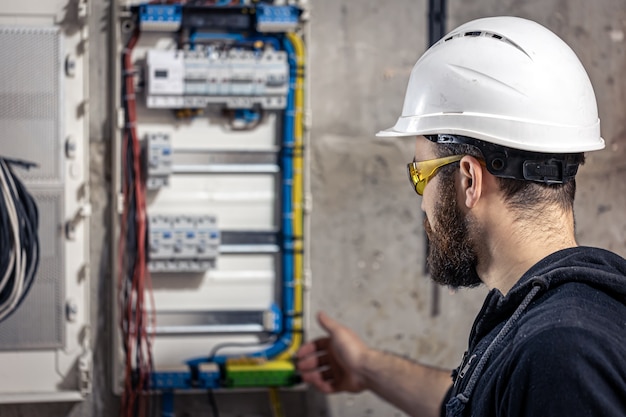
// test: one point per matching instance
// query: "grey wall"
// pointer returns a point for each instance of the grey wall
(367, 237)
(367, 245)
(597, 33)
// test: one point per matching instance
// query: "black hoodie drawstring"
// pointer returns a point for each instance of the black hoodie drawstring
(456, 405)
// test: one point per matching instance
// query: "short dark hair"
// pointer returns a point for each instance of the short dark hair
(521, 195)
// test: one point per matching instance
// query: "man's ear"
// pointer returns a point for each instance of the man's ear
(471, 180)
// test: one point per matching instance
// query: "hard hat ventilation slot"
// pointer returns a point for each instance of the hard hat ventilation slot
(481, 33)
(449, 38)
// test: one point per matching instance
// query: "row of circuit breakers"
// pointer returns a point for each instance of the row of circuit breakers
(239, 79)
(193, 79)
(177, 243)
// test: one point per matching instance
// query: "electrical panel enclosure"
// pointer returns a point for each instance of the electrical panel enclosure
(211, 189)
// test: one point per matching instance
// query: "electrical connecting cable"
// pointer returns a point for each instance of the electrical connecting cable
(215, 3)
(19, 240)
(277, 408)
(213, 403)
(134, 279)
(297, 196)
(292, 218)
(293, 186)
(226, 345)
(244, 120)
(292, 224)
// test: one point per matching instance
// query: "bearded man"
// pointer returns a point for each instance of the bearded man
(503, 112)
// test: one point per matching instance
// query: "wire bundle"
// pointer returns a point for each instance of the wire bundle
(134, 279)
(19, 241)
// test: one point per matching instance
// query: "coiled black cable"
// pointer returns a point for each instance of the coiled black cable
(19, 239)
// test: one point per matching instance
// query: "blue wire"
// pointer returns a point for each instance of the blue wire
(287, 217)
(232, 36)
(287, 223)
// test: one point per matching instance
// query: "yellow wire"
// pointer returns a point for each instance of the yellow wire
(298, 218)
(298, 198)
(277, 409)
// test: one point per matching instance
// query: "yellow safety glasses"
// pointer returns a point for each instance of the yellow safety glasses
(421, 172)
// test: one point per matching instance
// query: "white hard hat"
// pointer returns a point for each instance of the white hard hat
(504, 80)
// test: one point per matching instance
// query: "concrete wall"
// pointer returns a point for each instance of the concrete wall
(367, 238)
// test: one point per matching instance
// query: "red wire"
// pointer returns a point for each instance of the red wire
(136, 339)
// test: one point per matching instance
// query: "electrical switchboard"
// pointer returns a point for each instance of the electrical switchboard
(211, 187)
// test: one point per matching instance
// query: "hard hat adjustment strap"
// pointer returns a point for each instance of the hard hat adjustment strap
(552, 171)
(506, 162)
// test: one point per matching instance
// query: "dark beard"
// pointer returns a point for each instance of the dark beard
(451, 257)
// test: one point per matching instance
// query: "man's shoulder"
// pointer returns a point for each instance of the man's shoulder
(570, 343)
(564, 356)
(573, 318)
(577, 304)
(566, 370)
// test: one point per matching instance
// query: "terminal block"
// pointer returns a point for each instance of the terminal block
(183, 243)
(277, 18)
(236, 78)
(206, 377)
(159, 159)
(279, 373)
(160, 17)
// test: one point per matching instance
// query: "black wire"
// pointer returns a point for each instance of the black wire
(29, 235)
(7, 240)
(213, 404)
(154, 400)
(20, 162)
(28, 225)
(5, 235)
(129, 260)
(28, 220)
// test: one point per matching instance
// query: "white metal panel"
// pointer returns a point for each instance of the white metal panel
(208, 132)
(27, 8)
(52, 374)
(240, 202)
(245, 283)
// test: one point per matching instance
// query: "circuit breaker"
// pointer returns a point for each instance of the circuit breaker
(211, 195)
(158, 150)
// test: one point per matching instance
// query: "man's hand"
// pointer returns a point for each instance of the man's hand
(342, 362)
(333, 363)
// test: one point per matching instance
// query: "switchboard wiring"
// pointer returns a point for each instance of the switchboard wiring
(19, 240)
(222, 130)
(277, 408)
(134, 278)
(292, 214)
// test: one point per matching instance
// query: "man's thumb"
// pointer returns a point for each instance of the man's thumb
(327, 323)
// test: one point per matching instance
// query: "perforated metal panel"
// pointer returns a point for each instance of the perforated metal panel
(38, 323)
(30, 129)
(30, 99)
(45, 349)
